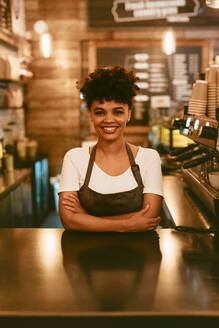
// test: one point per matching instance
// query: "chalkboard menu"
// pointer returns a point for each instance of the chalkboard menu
(162, 78)
(137, 13)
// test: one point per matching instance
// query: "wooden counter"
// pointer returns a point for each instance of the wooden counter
(108, 279)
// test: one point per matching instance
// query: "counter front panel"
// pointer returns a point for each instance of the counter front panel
(56, 273)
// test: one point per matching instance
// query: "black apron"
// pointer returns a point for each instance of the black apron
(98, 204)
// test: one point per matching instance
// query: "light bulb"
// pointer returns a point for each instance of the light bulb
(169, 46)
(46, 45)
(40, 27)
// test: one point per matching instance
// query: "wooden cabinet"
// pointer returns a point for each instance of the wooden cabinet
(40, 185)
(16, 210)
(24, 194)
(40, 189)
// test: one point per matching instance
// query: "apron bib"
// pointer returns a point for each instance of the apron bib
(98, 204)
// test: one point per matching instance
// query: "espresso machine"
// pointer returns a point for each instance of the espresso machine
(199, 162)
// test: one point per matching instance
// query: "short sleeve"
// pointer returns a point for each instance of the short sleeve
(153, 181)
(69, 179)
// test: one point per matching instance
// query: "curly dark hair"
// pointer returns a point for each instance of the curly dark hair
(110, 83)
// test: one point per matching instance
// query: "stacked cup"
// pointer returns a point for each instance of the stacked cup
(198, 100)
(217, 91)
(212, 90)
(206, 73)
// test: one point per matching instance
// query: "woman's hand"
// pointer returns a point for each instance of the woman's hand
(72, 203)
(139, 221)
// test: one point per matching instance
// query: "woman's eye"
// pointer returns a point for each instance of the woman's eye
(98, 113)
(118, 112)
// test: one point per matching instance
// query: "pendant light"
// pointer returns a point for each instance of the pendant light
(41, 28)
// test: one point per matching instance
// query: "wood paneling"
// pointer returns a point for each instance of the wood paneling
(57, 104)
(58, 146)
(53, 113)
(54, 73)
(48, 88)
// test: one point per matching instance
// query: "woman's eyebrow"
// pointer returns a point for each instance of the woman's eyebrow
(115, 108)
(98, 108)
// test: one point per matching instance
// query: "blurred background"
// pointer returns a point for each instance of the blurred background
(46, 46)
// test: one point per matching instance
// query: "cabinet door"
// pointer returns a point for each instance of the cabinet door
(37, 189)
(28, 204)
(5, 212)
(41, 189)
(45, 184)
(17, 207)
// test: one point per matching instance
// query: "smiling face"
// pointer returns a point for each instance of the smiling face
(109, 118)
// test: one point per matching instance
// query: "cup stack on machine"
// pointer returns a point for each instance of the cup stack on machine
(198, 100)
(205, 94)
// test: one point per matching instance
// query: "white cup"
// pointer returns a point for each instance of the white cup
(21, 149)
(214, 179)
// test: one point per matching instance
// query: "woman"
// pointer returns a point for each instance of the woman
(112, 186)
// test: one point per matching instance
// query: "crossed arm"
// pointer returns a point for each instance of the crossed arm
(74, 217)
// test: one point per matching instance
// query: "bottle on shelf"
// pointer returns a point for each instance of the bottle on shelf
(8, 162)
(8, 140)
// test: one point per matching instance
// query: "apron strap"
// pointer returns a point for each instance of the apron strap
(134, 166)
(90, 165)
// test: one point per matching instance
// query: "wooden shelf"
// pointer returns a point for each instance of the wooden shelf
(9, 181)
(9, 40)
(13, 81)
(8, 108)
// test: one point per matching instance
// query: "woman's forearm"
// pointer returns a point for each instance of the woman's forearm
(74, 217)
(137, 221)
(119, 217)
(86, 222)
(72, 203)
(150, 213)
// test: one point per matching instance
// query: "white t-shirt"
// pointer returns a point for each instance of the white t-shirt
(75, 165)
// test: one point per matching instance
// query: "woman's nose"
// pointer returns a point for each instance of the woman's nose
(108, 117)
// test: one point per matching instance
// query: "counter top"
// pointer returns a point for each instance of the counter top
(10, 180)
(163, 274)
(182, 206)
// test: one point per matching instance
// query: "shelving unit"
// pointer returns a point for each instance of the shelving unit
(11, 108)
(7, 81)
(14, 44)
(9, 40)
(5, 16)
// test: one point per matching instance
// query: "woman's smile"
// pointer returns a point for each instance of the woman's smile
(109, 129)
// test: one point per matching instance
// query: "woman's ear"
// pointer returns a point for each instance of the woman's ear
(90, 116)
(129, 115)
